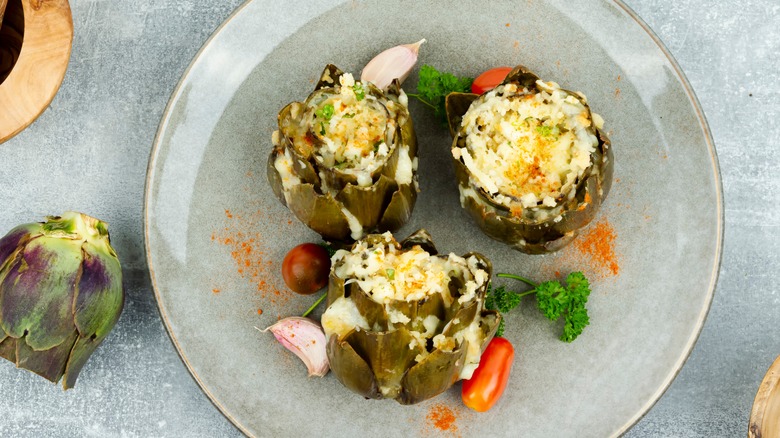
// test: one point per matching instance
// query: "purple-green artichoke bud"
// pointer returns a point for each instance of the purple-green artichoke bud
(403, 322)
(532, 161)
(61, 294)
(345, 160)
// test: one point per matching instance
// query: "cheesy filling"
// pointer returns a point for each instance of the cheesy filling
(527, 148)
(388, 274)
(353, 129)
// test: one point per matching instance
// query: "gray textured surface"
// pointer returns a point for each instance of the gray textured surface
(89, 152)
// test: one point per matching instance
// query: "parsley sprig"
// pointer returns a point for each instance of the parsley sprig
(554, 300)
(434, 86)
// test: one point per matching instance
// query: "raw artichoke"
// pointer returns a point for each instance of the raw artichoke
(345, 160)
(527, 222)
(60, 294)
(403, 322)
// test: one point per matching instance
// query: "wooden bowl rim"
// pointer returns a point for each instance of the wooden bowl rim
(767, 391)
(53, 61)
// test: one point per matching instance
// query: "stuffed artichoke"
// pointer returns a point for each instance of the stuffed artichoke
(532, 162)
(403, 322)
(345, 160)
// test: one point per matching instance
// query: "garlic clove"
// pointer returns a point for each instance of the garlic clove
(305, 338)
(395, 62)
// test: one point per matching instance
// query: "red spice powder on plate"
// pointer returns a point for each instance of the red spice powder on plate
(442, 418)
(598, 243)
(243, 237)
(592, 252)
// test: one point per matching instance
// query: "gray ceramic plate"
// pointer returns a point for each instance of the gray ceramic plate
(215, 234)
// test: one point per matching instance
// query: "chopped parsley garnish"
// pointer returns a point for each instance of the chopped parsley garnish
(554, 300)
(326, 112)
(360, 92)
(548, 131)
(322, 128)
(349, 116)
(390, 273)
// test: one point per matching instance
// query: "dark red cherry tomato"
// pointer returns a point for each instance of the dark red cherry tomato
(305, 268)
(488, 382)
(489, 79)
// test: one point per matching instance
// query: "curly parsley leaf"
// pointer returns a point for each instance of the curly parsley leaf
(434, 86)
(501, 300)
(554, 299)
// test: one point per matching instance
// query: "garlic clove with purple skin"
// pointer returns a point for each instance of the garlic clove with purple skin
(395, 62)
(305, 338)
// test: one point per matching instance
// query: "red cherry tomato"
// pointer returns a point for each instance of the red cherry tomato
(488, 382)
(305, 268)
(489, 79)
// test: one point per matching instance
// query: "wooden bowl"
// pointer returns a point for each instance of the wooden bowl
(2, 10)
(765, 416)
(35, 43)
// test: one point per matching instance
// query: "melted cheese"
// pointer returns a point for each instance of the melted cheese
(527, 148)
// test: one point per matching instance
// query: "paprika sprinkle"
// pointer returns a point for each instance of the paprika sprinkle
(598, 242)
(442, 418)
(243, 238)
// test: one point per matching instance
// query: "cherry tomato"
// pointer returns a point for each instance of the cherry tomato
(488, 382)
(305, 268)
(489, 79)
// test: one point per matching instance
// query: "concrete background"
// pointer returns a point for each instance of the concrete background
(89, 152)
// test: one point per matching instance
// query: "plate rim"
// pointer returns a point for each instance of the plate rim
(708, 138)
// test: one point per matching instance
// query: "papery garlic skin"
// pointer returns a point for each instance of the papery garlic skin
(395, 62)
(305, 338)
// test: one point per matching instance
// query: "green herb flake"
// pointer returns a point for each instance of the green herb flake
(322, 128)
(544, 130)
(326, 112)
(360, 92)
(390, 273)
(349, 116)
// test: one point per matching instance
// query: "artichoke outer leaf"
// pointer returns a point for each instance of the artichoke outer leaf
(329, 77)
(373, 312)
(319, 212)
(82, 350)
(482, 263)
(437, 372)
(522, 76)
(422, 238)
(274, 179)
(456, 105)
(461, 319)
(366, 203)
(387, 354)
(100, 294)
(38, 291)
(430, 305)
(335, 288)
(49, 363)
(351, 369)
(14, 240)
(489, 321)
(8, 348)
(399, 210)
